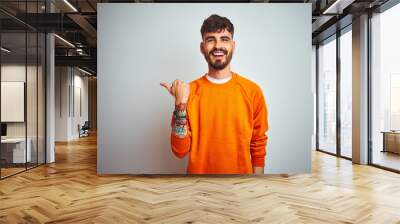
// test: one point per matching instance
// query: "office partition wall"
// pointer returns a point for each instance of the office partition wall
(22, 88)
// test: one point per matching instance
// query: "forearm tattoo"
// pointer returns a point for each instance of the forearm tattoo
(179, 127)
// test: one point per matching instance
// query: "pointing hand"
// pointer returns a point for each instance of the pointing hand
(179, 90)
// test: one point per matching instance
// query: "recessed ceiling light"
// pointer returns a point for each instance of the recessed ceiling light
(338, 6)
(5, 50)
(70, 5)
(84, 71)
(64, 40)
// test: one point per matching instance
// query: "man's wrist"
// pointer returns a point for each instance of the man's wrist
(180, 124)
(180, 111)
(180, 105)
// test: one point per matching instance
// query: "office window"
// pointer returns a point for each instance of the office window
(395, 101)
(346, 93)
(327, 96)
(314, 93)
(385, 88)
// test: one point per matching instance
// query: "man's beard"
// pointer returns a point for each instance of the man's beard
(218, 64)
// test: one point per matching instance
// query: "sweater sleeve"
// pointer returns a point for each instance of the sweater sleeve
(180, 146)
(260, 126)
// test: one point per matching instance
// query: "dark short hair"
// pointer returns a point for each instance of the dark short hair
(216, 23)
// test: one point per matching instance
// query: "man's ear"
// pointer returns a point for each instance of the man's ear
(234, 46)
(201, 48)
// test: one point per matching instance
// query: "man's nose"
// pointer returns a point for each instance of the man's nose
(218, 44)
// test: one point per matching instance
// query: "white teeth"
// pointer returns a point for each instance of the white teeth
(218, 53)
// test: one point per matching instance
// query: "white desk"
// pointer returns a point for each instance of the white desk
(18, 150)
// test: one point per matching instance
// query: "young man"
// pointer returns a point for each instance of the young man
(220, 119)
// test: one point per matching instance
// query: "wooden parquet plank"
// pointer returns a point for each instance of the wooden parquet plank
(70, 191)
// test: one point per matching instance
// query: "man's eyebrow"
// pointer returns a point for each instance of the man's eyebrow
(226, 37)
(209, 37)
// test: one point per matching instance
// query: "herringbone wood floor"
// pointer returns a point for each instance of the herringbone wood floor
(69, 191)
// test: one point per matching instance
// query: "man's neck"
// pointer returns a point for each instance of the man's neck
(220, 74)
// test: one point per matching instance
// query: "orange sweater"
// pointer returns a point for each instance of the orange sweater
(227, 124)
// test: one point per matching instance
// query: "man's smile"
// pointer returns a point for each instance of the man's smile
(218, 54)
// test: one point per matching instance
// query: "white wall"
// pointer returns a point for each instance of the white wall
(11, 73)
(79, 117)
(15, 72)
(68, 82)
(62, 80)
(140, 45)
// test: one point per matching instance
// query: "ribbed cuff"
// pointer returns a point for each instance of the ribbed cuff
(258, 161)
(179, 139)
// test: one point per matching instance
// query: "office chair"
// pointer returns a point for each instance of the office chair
(84, 130)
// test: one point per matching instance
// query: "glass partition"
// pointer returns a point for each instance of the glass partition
(22, 101)
(385, 89)
(14, 154)
(327, 95)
